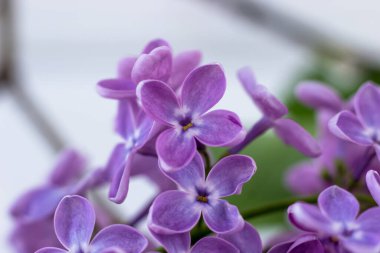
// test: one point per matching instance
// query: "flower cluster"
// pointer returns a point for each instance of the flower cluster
(166, 127)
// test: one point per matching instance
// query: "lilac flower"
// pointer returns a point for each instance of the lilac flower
(363, 127)
(41, 201)
(178, 211)
(74, 223)
(186, 116)
(305, 243)
(336, 218)
(319, 96)
(289, 131)
(155, 62)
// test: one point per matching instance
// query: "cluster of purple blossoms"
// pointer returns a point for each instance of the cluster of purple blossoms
(166, 126)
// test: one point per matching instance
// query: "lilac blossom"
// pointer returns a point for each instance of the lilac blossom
(289, 131)
(186, 115)
(306, 243)
(335, 217)
(178, 211)
(74, 222)
(41, 201)
(363, 127)
(245, 240)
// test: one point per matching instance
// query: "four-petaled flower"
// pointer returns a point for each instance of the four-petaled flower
(74, 222)
(186, 115)
(178, 211)
(336, 218)
(363, 127)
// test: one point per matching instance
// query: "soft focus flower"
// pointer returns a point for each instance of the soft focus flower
(289, 131)
(363, 127)
(373, 184)
(74, 222)
(245, 240)
(65, 179)
(335, 217)
(302, 244)
(186, 116)
(178, 211)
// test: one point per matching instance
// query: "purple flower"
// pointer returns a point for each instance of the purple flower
(289, 131)
(363, 127)
(155, 62)
(319, 96)
(336, 218)
(41, 201)
(305, 243)
(245, 240)
(74, 222)
(178, 211)
(186, 116)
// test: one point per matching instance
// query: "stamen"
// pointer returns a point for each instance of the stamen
(202, 199)
(187, 126)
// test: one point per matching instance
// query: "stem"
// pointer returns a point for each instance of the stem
(257, 129)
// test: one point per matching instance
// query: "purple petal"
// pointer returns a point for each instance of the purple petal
(69, 168)
(116, 89)
(373, 184)
(213, 245)
(120, 182)
(74, 221)
(203, 88)
(116, 160)
(281, 247)
(122, 237)
(190, 176)
(158, 101)
(124, 68)
(174, 243)
(268, 104)
(296, 136)
(346, 126)
(308, 218)
(38, 203)
(306, 243)
(183, 64)
(219, 128)
(155, 65)
(312, 181)
(126, 122)
(171, 142)
(362, 242)
(173, 212)
(369, 221)
(338, 204)
(247, 240)
(50, 250)
(229, 174)
(155, 44)
(318, 96)
(222, 217)
(366, 103)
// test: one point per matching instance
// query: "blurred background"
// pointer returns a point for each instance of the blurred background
(52, 53)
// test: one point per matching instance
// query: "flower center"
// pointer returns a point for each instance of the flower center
(203, 199)
(202, 196)
(186, 123)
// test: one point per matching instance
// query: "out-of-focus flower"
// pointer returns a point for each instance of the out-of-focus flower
(289, 131)
(336, 218)
(178, 211)
(65, 179)
(74, 223)
(186, 116)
